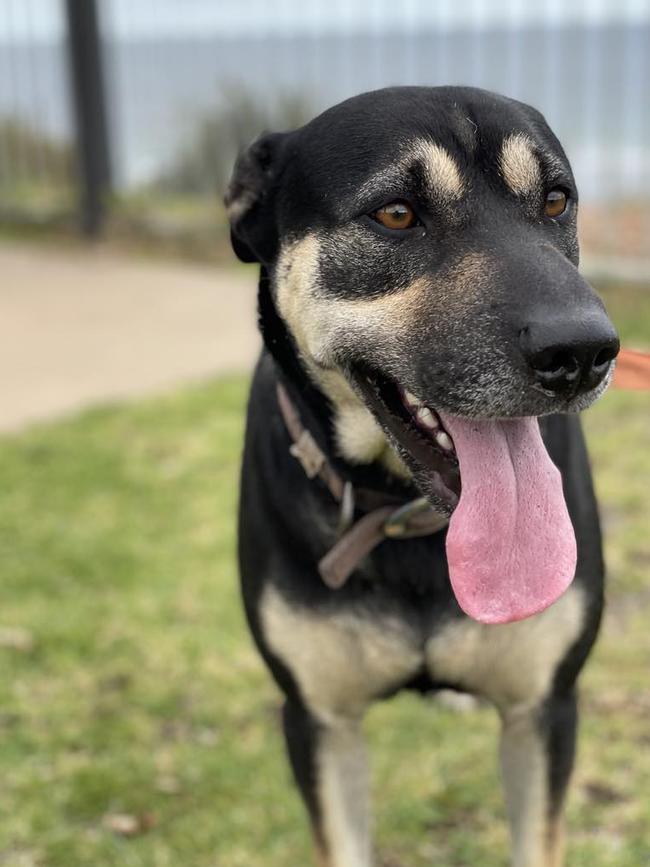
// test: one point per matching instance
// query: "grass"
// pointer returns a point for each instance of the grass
(129, 686)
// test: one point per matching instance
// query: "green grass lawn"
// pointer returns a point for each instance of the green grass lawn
(130, 687)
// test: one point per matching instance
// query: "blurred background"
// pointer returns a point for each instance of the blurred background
(135, 718)
(120, 121)
(138, 108)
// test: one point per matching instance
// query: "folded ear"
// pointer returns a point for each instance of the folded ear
(249, 199)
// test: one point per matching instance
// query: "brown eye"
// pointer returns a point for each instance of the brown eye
(556, 202)
(396, 215)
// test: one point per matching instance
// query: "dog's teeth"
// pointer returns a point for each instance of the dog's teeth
(412, 400)
(425, 417)
(444, 441)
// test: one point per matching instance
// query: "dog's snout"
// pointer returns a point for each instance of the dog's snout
(572, 356)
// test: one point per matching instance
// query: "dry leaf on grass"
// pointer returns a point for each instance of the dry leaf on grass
(128, 825)
(16, 638)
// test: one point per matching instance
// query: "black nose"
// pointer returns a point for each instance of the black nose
(569, 357)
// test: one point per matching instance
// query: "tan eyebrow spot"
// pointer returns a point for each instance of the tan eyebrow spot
(518, 164)
(442, 171)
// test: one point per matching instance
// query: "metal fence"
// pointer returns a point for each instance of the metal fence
(188, 83)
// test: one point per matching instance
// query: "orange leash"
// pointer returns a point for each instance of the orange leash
(632, 370)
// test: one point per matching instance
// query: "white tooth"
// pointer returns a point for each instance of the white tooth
(425, 417)
(444, 441)
(412, 400)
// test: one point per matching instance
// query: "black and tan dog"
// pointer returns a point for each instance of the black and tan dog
(423, 319)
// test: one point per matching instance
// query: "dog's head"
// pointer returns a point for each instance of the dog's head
(421, 248)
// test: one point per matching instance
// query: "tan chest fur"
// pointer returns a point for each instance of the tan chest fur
(344, 661)
(341, 662)
(509, 664)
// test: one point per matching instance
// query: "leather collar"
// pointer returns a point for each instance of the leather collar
(385, 517)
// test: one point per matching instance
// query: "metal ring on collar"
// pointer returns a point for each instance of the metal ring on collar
(396, 525)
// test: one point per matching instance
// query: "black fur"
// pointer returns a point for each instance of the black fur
(309, 182)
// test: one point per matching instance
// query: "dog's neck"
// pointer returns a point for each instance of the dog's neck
(281, 345)
(312, 403)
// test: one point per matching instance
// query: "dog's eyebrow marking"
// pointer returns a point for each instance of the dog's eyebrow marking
(441, 169)
(519, 165)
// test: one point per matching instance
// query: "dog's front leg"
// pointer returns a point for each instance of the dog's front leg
(537, 749)
(329, 763)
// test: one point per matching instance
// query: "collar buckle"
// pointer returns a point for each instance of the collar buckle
(398, 524)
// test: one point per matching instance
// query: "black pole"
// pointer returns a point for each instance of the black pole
(87, 86)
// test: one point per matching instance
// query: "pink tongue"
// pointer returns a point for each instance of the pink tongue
(511, 547)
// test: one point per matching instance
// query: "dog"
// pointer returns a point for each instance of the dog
(416, 505)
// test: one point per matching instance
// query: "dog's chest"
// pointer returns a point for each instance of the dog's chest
(340, 661)
(508, 664)
(343, 661)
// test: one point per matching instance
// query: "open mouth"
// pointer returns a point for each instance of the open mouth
(511, 547)
(418, 431)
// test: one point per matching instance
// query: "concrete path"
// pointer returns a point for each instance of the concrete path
(80, 326)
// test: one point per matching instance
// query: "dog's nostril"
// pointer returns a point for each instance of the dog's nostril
(553, 364)
(604, 357)
(568, 357)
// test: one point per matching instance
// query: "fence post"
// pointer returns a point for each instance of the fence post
(86, 76)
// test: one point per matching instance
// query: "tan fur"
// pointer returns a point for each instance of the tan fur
(360, 439)
(555, 842)
(295, 285)
(315, 322)
(320, 322)
(442, 170)
(510, 664)
(343, 796)
(358, 435)
(525, 777)
(340, 661)
(519, 165)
